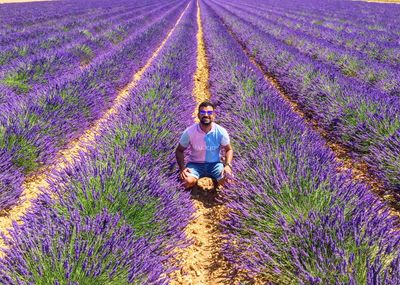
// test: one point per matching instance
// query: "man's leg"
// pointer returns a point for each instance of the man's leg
(189, 182)
(193, 176)
(216, 172)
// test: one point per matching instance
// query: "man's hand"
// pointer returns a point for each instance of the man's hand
(227, 172)
(183, 174)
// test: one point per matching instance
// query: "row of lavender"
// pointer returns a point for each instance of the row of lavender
(118, 215)
(364, 120)
(64, 31)
(293, 219)
(31, 20)
(317, 46)
(31, 133)
(30, 74)
(350, 25)
(28, 66)
(352, 18)
(18, 28)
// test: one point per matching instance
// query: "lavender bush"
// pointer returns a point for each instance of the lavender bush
(55, 249)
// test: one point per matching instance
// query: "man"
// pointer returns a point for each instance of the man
(204, 140)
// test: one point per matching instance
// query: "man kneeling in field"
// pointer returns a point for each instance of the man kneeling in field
(204, 140)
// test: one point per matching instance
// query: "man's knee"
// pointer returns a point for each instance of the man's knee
(190, 181)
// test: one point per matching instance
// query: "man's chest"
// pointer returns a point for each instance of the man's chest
(210, 141)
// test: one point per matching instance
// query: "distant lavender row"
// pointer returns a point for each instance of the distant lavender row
(38, 72)
(381, 21)
(40, 27)
(15, 17)
(33, 132)
(49, 72)
(30, 20)
(382, 49)
(365, 120)
(66, 33)
(120, 212)
(349, 62)
(339, 32)
(293, 219)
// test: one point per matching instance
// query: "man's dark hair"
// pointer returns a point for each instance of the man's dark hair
(206, 104)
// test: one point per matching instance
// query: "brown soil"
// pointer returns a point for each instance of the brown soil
(201, 88)
(36, 183)
(202, 262)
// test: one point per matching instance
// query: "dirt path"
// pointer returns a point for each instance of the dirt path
(201, 90)
(33, 185)
(202, 262)
(359, 170)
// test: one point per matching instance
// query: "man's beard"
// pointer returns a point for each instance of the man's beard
(206, 121)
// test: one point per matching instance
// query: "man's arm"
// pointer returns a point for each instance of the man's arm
(228, 159)
(228, 153)
(180, 156)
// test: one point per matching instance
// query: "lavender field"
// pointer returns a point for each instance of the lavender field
(95, 94)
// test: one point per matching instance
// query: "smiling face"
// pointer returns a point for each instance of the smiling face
(206, 115)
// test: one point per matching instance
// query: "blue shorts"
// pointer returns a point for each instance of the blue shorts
(212, 170)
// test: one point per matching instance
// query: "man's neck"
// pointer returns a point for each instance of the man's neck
(205, 128)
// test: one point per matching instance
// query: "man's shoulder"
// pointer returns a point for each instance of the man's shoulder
(191, 128)
(220, 128)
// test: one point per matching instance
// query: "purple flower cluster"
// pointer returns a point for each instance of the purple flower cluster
(363, 118)
(56, 249)
(32, 131)
(119, 212)
(293, 219)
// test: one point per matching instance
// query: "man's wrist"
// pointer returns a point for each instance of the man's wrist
(229, 164)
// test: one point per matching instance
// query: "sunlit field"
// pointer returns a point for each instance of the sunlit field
(94, 96)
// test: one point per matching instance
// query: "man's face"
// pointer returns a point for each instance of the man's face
(206, 115)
